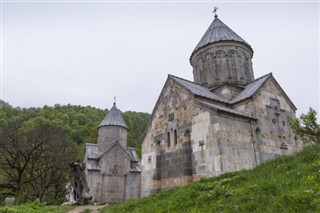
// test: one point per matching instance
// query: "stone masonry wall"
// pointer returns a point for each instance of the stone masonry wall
(94, 183)
(113, 188)
(133, 186)
(108, 135)
(187, 142)
(222, 144)
(223, 63)
(272, 134)
(115, 162)
(166, 149)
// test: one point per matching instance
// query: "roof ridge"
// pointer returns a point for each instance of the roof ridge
(184, 79)
(112, 146)
(268, 74)
(201, 91)
(251, 89)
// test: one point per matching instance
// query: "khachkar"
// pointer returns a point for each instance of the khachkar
(77, 187)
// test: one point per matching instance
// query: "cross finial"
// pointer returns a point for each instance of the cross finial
(215, 12)
(114, 100)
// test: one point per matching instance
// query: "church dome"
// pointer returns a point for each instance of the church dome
(222, 58)
(219, 31)
(113, 118)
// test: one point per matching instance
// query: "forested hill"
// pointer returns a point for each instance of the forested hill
(37, 144)
(79, 122)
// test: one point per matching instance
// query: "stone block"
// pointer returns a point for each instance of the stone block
(222, 142)
(9, 201)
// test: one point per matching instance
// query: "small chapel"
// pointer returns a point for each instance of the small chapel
(112, 169)
(225, 120)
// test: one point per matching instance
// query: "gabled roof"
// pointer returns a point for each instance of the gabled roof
(219, 31)
(93, 155)
(249, 91)
(198, 90)
(93, 152)
(113, 118)
(251, 88)
(132, 152)
(254, 88)
(116, 144)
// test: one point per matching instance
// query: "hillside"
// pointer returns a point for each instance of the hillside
(286, 184)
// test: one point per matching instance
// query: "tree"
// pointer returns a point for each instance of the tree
(34, 157)
(306, 127)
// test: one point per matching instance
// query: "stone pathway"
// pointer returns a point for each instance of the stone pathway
(93, 208)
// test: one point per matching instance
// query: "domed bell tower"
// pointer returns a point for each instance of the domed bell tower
(222, 60)
(113, 129)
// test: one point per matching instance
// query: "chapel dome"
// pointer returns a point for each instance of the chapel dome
(113, 118)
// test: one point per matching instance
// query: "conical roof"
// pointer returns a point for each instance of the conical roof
(219, 31)
(113, 118)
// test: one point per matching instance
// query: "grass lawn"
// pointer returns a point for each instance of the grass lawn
(34, 207)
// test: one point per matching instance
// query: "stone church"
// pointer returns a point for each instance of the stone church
(112, 169)
(223, 121)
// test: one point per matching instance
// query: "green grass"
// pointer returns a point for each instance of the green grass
(34, 207)
(286, 184)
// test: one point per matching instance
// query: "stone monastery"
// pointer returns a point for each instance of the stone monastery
(224, 121)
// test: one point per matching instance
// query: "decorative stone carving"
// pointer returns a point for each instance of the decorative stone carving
(222, 64)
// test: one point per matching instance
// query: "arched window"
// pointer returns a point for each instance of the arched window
(168, 139)
(175, 137)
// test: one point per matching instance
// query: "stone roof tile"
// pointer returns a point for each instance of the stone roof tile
(251, 89)
(113, 118)
(199, 90)
(219, 31)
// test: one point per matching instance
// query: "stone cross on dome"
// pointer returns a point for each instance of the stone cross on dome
(114, 100)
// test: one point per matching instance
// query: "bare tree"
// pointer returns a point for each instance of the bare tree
(34, 158)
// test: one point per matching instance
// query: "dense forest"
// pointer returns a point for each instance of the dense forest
(36, 145)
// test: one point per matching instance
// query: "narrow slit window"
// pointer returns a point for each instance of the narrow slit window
(175, 137)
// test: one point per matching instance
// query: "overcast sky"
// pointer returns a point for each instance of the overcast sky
(85, 53)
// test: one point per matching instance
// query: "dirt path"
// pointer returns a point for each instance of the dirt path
(93, 208)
